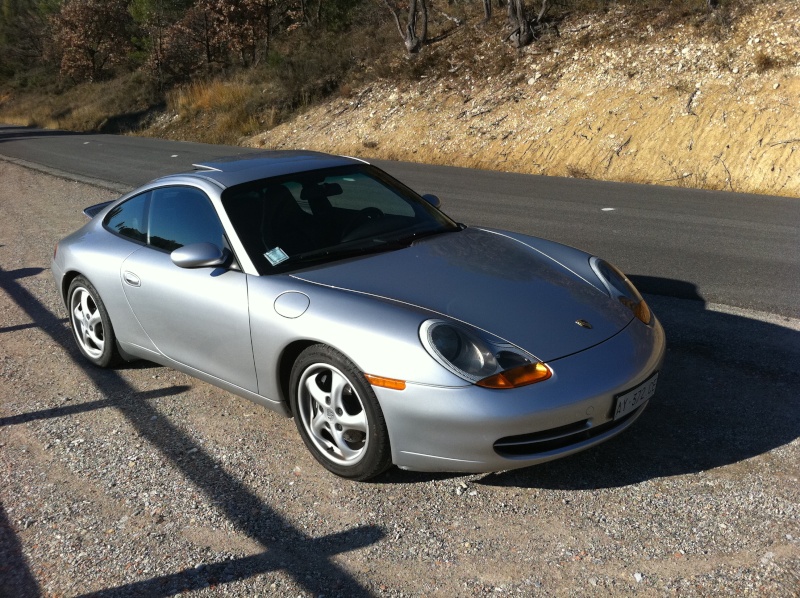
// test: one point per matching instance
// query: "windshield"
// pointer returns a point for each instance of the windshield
(291, 222)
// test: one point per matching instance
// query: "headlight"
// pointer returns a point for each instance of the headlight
(477, 359)
(622, 289)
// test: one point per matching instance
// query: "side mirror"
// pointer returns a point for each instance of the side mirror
(432, 199)
(199, 255)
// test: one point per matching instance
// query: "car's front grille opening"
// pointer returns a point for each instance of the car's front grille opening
(554, 438)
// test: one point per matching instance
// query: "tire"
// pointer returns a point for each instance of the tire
(91, 325)
(338, 415)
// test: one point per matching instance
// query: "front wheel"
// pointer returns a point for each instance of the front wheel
(91, 325)
(338, 415)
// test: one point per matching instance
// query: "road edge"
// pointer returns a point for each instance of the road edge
(62, 174)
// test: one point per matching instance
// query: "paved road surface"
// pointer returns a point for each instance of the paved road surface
(732, 249)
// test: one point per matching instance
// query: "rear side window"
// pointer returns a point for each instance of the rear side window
(181, 216)
(128, 219)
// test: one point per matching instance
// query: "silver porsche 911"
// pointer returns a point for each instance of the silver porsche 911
(322, 288)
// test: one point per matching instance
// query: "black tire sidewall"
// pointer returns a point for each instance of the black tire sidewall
(109, 355)
(378, 455)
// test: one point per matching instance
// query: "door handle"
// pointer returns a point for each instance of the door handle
(131, 279)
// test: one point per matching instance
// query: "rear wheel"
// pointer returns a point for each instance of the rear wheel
(338, 415)
(91, 325)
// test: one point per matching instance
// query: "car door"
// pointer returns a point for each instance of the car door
(197, 317)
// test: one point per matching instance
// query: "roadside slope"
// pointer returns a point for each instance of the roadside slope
(708, 105)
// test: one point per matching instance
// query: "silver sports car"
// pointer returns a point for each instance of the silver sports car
(324, 289)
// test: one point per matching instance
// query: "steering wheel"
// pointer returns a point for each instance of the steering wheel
(360, 219)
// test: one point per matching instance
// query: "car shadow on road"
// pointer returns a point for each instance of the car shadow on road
(729, 391)
(308, 560)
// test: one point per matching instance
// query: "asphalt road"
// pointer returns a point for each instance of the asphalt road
(724, 248)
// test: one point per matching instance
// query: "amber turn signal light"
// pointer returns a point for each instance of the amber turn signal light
(639, 308)
(385, 382)
(516, 377)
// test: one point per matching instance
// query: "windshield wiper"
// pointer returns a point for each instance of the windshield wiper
(409, 240)
(332, 253)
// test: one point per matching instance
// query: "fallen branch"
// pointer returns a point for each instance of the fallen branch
(796, 139)
(622, 147)
(579, 28)
(679, 178)
(481, 112)
(455, 20)
(689, 103)
(442, 35)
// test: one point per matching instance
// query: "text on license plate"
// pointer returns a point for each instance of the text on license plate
(634, 398)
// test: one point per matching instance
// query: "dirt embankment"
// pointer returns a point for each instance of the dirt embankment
(707, 104)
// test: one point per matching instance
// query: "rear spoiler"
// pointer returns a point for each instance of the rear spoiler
(92, 211)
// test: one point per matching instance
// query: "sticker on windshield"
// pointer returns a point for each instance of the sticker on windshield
(276, 255)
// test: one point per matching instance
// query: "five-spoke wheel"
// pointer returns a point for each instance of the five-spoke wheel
(91, 325)
(338, 415)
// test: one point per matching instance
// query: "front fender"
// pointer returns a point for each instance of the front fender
(381, 337)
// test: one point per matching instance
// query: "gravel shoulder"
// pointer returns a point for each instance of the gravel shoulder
(144, 481)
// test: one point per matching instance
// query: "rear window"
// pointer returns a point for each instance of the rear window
(128, 219)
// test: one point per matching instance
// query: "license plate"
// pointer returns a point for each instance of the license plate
(632, 399)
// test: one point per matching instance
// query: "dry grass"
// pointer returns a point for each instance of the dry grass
(765, 62)
(218, 111)
(205, 97)
(577, 172)
(85, 107)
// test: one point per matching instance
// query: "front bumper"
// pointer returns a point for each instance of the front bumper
(456, 429)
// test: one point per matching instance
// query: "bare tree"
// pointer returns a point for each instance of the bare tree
(543, 10)
(417, 18)
(487, 13)
(522, 32)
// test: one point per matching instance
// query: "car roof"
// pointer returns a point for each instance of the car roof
(250, 167)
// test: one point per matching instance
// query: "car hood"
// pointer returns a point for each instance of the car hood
(490, 281)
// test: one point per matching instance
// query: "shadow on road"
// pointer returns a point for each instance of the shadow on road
(15, 571)
(15, 133)
(666, 287)
(729, 391)
(119, 124)
(116, 124)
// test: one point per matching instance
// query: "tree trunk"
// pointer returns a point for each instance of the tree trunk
(207, 41)
(413, 41)
(522, 35)
(546, 7)
(487, 12)
(416, 9)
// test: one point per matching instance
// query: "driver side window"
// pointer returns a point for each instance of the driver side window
(181, 216)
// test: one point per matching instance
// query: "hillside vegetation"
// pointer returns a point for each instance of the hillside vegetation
(656, 92)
